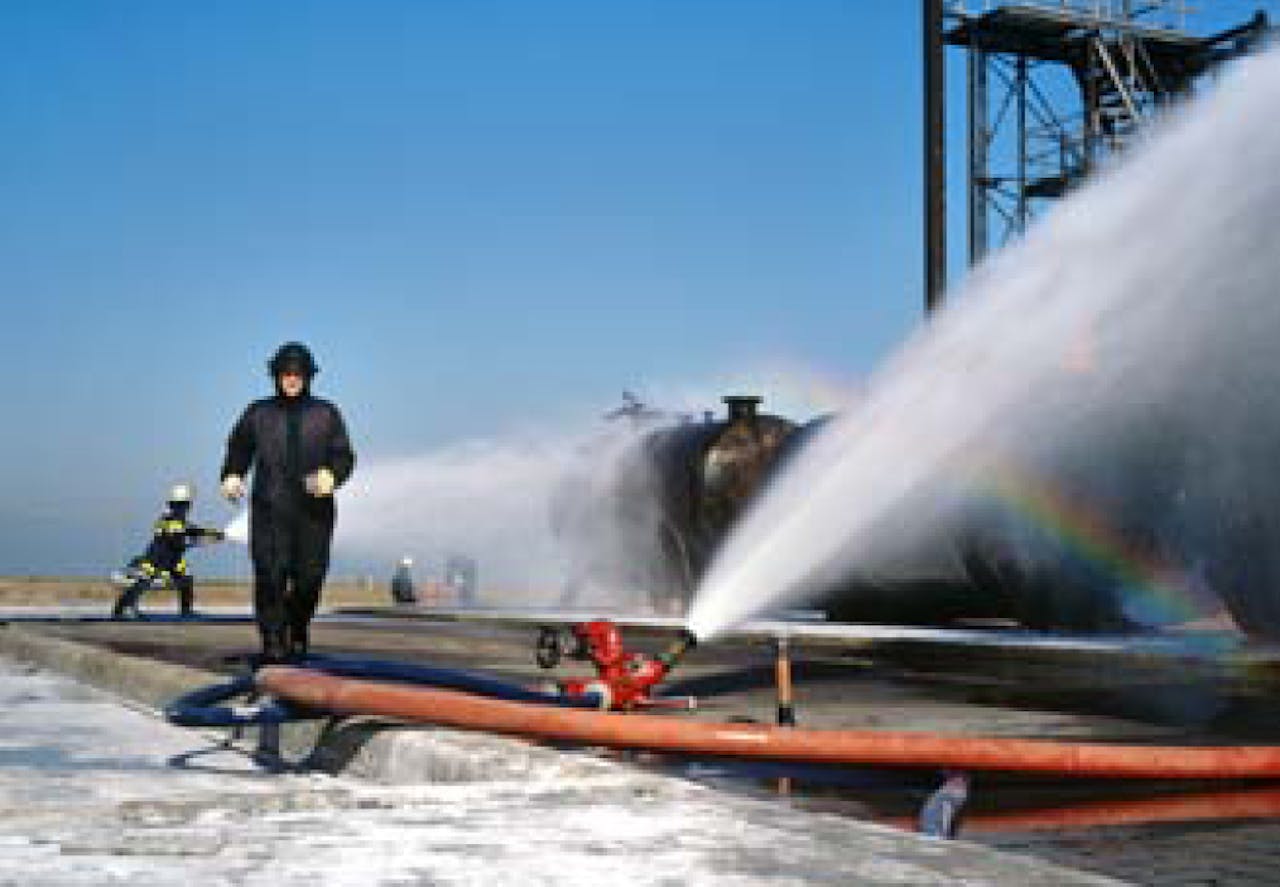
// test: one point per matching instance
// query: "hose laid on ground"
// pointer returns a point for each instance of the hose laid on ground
(445, 678)
(1215, 807)
(206, 707)
(341, 695)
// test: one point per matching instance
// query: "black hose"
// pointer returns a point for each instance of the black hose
(448, 678)
(205, 707)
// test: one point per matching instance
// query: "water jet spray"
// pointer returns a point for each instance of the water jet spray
(1100, 407)
(237, 529)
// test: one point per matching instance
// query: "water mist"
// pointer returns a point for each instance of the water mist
(526, 507)
(1124, 350)
(237, 529)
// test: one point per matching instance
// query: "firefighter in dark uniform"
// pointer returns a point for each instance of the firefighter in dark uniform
(298, 449)
(164, 563)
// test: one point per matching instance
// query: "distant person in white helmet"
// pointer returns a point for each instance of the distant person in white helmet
(298, 449)
(164, 563)
(402, 590)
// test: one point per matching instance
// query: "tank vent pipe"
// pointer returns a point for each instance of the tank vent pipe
(742, 406)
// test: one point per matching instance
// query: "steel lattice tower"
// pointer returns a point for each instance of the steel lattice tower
(1054, 87)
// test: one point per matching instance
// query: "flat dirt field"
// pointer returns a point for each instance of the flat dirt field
(45, 591)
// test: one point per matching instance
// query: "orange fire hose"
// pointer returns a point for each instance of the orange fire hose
(866, 748)
(1216, 807)
(1243, 804)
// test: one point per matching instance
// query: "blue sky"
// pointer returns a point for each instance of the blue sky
(482, 214)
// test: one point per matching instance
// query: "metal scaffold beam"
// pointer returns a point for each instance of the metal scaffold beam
(935, 208)
(1053, 88)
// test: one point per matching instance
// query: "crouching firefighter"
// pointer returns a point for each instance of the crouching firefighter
(298, 450)
(164, 563)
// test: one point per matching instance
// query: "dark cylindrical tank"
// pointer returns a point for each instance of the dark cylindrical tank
(1132, 532)
(654, 518)
(1126, 532)
(704, 475)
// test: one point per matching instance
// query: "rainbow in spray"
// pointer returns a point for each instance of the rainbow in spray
(1154, 590)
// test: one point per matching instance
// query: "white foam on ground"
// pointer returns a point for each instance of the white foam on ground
(90, 795)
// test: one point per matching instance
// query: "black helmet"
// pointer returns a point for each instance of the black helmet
(293, 356)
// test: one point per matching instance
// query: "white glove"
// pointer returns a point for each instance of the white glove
(320, 483)
(233, 487)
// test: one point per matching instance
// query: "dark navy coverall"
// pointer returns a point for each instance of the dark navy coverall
(285, 439)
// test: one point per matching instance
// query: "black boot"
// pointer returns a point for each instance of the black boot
(127, 604)
(298, 643)
(124, 610)
(274, 648)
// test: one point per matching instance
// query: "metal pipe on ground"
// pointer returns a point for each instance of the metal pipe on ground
(782, 676)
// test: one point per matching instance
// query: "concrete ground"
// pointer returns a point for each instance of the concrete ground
(153, 661)
(95, 791)
(731, 680)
